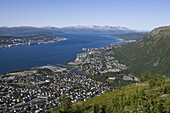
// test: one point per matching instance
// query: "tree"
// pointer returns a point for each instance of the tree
(95, 108)
(119, 84)
(66, 103)
(102, 108)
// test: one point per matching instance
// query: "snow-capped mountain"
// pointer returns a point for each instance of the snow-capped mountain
(93, 29)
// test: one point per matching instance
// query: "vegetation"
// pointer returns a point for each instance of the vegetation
(150, 54)
(114, 83)
(67, 65)
(150, 95)
(66, 104)
(45, 71)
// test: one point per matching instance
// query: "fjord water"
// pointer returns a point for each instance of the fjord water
(27, 56)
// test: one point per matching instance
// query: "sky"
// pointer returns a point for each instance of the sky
(134, 14)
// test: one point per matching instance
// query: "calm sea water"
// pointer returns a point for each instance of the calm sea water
(22, 57)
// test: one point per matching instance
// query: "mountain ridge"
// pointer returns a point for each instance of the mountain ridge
(93, 29)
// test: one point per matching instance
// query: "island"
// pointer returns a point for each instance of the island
(8, 41)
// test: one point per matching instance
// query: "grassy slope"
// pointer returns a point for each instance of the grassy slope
(150, 54)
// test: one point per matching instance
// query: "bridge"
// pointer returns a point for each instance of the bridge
(73, 68)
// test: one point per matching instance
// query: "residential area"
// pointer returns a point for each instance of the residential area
(100, 60)
(39, 89)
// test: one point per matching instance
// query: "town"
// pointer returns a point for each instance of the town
(8, 41)
(39, 89)
(99, 61)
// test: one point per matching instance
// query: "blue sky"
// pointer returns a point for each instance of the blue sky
(134, 14)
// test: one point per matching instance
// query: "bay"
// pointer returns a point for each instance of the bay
(28, 56)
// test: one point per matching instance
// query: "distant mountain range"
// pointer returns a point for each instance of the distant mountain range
(92, 29)
(26, 31)
(149, 54)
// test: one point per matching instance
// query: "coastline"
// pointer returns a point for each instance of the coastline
(115, 37)
(37, 43)
(62, 63)
(121, 39)
(66, 65)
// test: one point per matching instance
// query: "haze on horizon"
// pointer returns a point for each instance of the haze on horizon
(134, 14)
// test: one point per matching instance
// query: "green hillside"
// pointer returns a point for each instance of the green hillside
(150, 54)
(150, 95)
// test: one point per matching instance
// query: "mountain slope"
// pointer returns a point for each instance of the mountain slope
(27, 31)
(150, 54)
